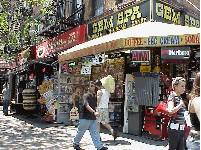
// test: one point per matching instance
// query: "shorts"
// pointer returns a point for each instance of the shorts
(103, 115)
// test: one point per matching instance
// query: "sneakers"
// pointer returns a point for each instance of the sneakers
(115, 135)
(77, 147)
(104, 148)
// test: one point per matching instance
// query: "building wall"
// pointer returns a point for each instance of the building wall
(112, 5)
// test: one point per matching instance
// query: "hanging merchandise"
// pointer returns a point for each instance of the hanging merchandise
(98, 59)
(74, 115)
(86, 69)
(86, 61)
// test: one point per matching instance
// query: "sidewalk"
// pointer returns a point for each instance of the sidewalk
(19, 132)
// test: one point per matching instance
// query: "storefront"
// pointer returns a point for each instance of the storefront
(46, 62)
(133, 45)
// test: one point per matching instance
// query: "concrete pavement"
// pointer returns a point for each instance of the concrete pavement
(18, 132)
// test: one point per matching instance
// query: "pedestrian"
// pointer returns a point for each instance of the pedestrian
(102, 108)
(193, 140)
(176, 130)
(87, 120)
(5, 99)
(76, 96)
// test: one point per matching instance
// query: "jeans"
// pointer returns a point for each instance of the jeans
(176, 139)
(6, 103)
(90, 125)
(193, 142)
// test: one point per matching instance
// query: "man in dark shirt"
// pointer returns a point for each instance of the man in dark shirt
(87, 119)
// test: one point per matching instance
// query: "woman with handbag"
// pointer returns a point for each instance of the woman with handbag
(193, 140)
(176, 130)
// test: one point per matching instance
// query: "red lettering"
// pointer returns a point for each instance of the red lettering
(134, 56)
(197, 40)
(192, 39)
(145, 56)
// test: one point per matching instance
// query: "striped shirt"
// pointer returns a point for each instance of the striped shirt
(180, 113)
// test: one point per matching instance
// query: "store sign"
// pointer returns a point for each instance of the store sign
(122, 19)
(191, 21)
(168, 13)
(62, 42)
(145, 68)
(173, 40)
(175, 53)
(116, 55)
(140, 56)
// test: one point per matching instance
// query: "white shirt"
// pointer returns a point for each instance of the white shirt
(104, 99)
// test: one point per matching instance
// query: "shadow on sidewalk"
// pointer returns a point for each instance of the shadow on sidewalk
(125, 137)
(36, 121)
(116, 142)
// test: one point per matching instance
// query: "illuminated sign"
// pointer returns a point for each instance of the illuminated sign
(178, 53)
(122, 19)
(140, 56)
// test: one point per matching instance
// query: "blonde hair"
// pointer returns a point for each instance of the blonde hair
(176, 81)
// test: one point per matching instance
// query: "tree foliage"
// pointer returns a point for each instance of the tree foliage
(14, 13)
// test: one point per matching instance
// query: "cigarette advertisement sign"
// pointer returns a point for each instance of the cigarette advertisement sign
(175, 53)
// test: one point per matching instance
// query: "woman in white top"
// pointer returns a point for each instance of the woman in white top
(102, 108)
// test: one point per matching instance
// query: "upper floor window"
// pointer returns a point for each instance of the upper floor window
(98, 7)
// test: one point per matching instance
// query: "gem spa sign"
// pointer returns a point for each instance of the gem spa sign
(140, 56)
(122, 19)
(175, 53)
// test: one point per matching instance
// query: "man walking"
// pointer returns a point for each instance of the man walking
(6, 99)
(102, 108)
(87, 119)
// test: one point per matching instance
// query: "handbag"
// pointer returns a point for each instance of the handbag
(163, 108)
(74, 115)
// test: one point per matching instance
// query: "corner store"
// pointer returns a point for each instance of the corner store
(153, 38)
(41, 64)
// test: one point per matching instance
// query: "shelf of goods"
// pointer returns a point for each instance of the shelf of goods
(29, 99)
(68, 85)
(114, 67)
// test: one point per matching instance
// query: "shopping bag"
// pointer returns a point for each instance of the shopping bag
(74, 115)
(163, 108)
(108, 83)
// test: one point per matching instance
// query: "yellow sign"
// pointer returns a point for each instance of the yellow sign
(174, 40)
(145, 68)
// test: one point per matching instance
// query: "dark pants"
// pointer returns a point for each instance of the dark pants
(176, 139)
(6, 103)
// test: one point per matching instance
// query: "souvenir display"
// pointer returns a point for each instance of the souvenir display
(115, 68)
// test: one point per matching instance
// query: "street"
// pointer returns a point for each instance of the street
(17, 132)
